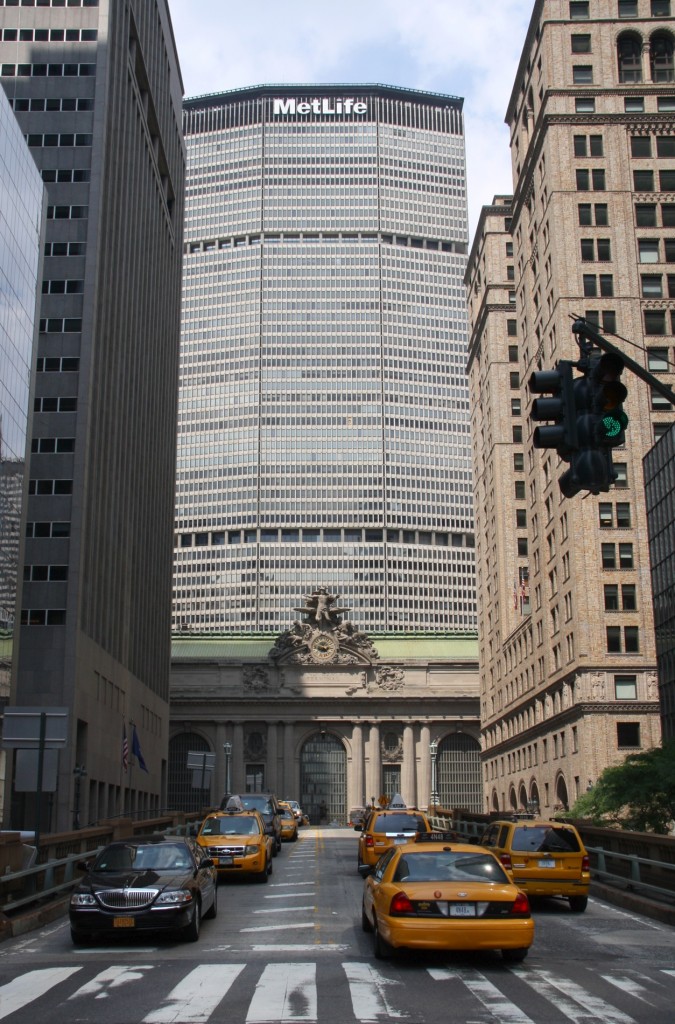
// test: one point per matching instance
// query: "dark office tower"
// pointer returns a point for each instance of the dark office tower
(96, 88)
(323, 413)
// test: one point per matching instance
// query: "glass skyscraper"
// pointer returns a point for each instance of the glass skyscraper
(324, 412)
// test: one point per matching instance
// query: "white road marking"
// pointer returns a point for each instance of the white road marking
(628, 985)
(194, 999)
(367, 988)
(288, 895)
(667, 970)
(570, 998)
(30, 986)
(285, 993)
(101, 986)
(302, 947)
(642, 921)
(280, 927)
(488, 994)
(288, 885)
(282, 910)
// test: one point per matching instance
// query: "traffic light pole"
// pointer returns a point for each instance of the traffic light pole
(585, 330)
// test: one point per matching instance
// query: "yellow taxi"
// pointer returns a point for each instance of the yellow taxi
(387, 827)
(546, 858)
(289, 824)
(435, 894)
(237, 843)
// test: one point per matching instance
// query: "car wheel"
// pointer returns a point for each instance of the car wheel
(381, 948)
(578, 904)
(81, 938)
(514, 956)
(365, 921)
(270, 867)
(295, 838)
(213, 909)
(263, 875)
(191, 933)
(278, 845)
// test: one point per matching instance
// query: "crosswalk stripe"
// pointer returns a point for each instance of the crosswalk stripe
(285, 993)
(194, 999)
(113, 977)
(30, 986)
(568, 997)
(367, 990)
(628, 985)
(488, 994)
(279, 927)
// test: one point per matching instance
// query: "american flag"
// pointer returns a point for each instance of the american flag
(125, 748)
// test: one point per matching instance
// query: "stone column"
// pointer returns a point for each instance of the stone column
(271, 772)
(374, 767)
(355, 785)
(424, 776)
(409, 767)
(238, 767)
(290, 783)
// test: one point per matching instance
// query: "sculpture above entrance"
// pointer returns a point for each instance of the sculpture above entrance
(323, 638)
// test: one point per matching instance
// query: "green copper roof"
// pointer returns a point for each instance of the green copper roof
(390, 646)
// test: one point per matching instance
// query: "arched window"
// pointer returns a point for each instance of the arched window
(629, 53)
(661, 57)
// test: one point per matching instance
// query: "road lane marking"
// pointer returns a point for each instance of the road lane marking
(194, 999)
(568, 997)
(279, 927)
(367, 988)
(282, 910)
(30, 986)
(112, 977)
(285, 993)
(629, 986)
(288, 895)
(288, 885)
(300, 947)
(488, 994)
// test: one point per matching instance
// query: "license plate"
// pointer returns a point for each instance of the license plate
(124, 922)
(546, 863)
(462, 909)
(224, 862)
(399, 840)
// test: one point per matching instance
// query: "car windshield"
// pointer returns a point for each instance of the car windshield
(150, 857)
(448, 866)
(230, 826)
(253, 803)
(545, 839)
(399, 823)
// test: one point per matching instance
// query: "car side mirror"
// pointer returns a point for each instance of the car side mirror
(206, 862)
(82, 865)
(358, 828)
(365, 870)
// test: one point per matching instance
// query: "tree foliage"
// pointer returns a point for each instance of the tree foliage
(638, 794)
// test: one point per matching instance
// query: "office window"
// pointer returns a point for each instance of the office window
(661, 57)
(652, 286)
(655, 321)
(665, 104)
(625, 687)
(660, 8)
(665, 146)
(645, 215)
(519, 490)
(660, 403)
(517, 435)
(606, 285)
(631, 639)
(514, 380)
(604, 250)
(582, 74)
(613, 639)
(623, 517)
(629, 57)
(611, 592)
(669, 250)
(625, 556)
(621, 470)
(522, 546)
(634, 104)
(583, 179)
(608, 556)
(584, 104)
(628, 597)
(657, 360)
(590, 285)
(643, 181)
(667, 181)
(521, 518)
(627, 734)
(640, 145)
(628, 9)
(586, 214)
(579, 10)
(606, 514)
(668, 215)
(598, 179)
(670, 279)
(518, 462)
(511, 328)
(581, 43)
(513, 353)
(515, 407)
(587, 250)
(648, 250)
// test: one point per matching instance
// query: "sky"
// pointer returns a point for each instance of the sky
(467, 48)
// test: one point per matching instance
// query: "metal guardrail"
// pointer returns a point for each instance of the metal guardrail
(635, 863)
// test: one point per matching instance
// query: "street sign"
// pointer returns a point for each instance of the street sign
(26, 777)
(21, 728)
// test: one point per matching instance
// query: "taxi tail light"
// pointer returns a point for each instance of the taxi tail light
(586, 863)
(400, 905)
(505, 858)
(370, 841)
(521, 905)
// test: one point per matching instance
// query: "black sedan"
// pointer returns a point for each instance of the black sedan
(147, 883)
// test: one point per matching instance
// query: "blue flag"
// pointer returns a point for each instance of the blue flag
(136, 751)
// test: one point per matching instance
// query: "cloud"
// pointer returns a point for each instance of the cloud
(467, 48)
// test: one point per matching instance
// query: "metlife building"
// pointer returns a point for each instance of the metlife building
(324, 412)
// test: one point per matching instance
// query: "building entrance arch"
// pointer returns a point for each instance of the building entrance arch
(182, 794)
(323, 779)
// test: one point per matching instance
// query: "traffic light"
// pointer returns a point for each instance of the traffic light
(561, 434)
(591, 464)
(609, 395)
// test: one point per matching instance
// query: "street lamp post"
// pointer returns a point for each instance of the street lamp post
(433, 750)
(227, 748)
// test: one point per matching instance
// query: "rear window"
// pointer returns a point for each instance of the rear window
(399, 823)
(257, 804)
(543, 839)
(444, 866)
(230, 826)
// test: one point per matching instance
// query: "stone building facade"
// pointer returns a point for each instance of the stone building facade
(326, 714)
(567, 651)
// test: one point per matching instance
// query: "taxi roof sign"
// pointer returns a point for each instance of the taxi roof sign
(397, 803)
(234, 805)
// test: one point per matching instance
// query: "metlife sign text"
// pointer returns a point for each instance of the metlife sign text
(324, 105)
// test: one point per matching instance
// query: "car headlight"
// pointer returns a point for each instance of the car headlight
(252, 851)
(174, 896)
(82, 899)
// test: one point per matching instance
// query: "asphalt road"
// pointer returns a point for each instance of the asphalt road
(293, 951)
